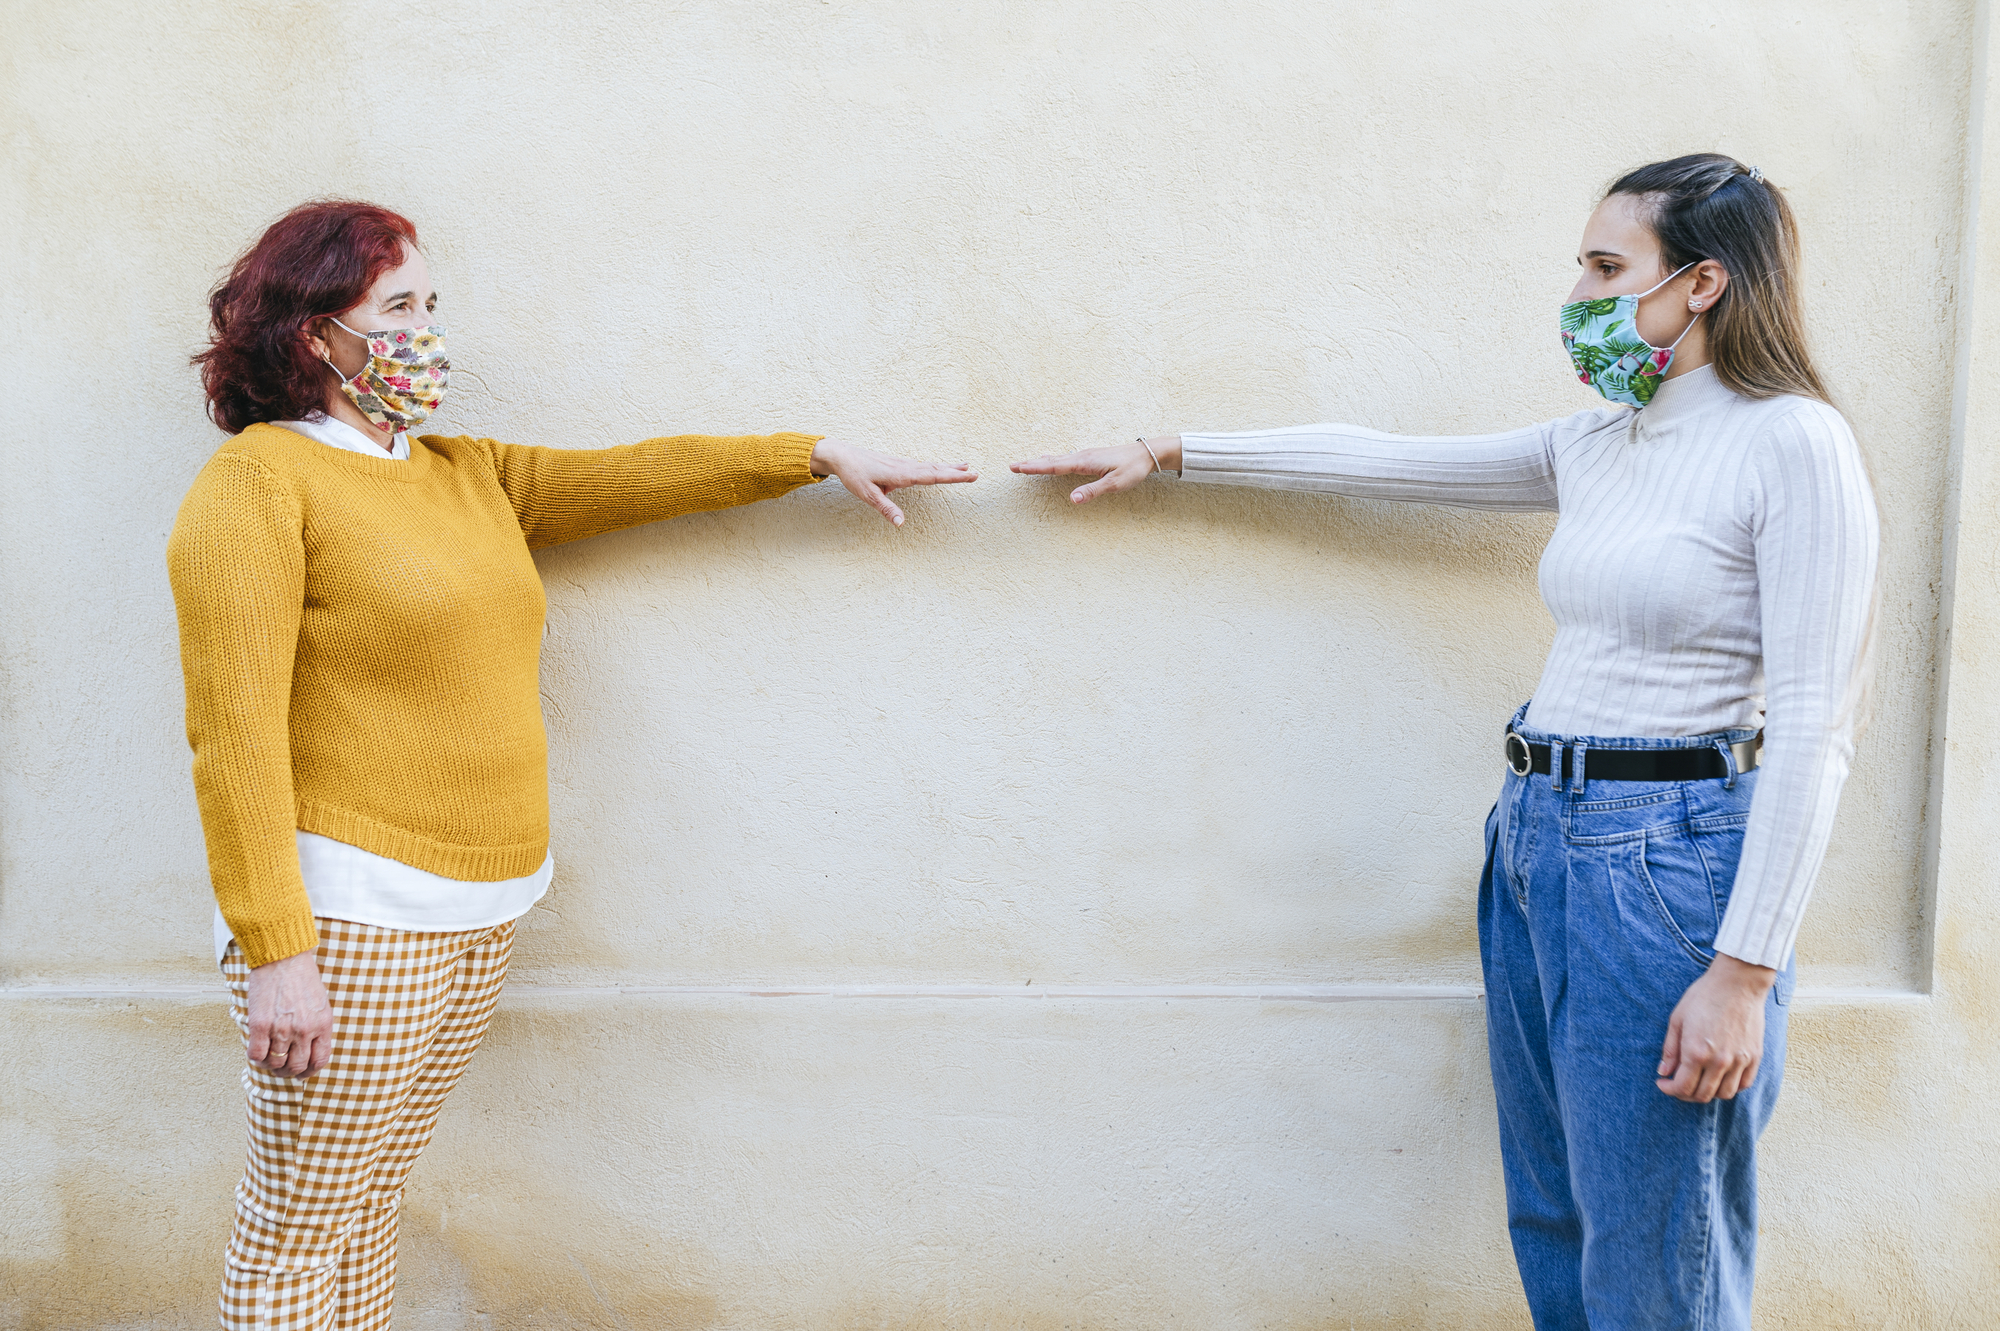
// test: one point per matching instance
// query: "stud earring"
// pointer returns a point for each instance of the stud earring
(1694, 304)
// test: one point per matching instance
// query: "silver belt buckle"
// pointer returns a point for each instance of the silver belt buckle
(1518, 758)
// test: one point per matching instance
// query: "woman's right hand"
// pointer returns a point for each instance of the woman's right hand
(1118, 468)
(291, 1023)
(872, 477)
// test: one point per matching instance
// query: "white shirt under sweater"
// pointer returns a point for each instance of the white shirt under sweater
(1712, 568)
(345, 882)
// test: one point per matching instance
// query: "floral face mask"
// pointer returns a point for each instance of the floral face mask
(1602, 338)
(404, 379)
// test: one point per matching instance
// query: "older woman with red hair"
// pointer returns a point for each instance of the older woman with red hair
(360, 635)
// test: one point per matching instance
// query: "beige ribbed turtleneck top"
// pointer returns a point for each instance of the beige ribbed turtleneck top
(1712, 567)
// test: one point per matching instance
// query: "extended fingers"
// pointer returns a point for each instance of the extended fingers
(926, 473)
(872, 477)
(1121, 478)
(872, 495)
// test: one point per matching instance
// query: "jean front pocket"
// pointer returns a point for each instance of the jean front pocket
(1669, 868)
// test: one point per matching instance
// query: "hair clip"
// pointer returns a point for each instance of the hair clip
(1755, 174)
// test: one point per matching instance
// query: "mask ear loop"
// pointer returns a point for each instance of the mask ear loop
(327, 356)
(327, 361)
(1641, 296)
(1635, 310)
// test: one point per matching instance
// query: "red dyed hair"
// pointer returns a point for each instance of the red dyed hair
(318, 259)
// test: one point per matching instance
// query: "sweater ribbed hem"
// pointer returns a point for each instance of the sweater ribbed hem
(472, 864)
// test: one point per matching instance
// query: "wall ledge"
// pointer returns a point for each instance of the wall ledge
(1271, 993)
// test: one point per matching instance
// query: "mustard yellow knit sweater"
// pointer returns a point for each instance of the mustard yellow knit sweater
(360, 638)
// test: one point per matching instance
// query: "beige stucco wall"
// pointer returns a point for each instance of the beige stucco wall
(1030, 918)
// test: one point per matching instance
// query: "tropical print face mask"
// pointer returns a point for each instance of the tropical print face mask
(404, 379)
(1602, 338)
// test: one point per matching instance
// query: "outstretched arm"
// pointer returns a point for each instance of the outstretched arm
(567, 494)
(1513, 470)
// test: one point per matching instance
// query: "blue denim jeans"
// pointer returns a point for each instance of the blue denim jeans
(1598, 908)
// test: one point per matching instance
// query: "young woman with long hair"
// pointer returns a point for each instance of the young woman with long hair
(361, 628)
(1668, 792)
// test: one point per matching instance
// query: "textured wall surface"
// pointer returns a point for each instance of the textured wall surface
(1032, 917)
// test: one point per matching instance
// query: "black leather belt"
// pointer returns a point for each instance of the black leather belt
(1635, 764)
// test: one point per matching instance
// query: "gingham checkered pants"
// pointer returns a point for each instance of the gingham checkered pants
(314, 1244)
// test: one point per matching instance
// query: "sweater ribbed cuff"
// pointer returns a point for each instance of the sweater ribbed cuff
(274, 941)
(795, 450)
(1741, 939)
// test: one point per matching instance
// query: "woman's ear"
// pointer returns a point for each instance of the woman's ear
(1711, 279)
(314, 342)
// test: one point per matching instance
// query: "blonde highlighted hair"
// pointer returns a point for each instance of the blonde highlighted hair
(1711, 206)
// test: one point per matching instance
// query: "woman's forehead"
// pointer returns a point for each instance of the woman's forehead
(411, 277)
(1618, 227)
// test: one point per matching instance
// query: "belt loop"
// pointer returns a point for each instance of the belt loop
(1581, 768)
(1728, 761)
(1558, 764)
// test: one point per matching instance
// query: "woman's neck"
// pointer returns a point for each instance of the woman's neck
(1692, 353)
(340, 409)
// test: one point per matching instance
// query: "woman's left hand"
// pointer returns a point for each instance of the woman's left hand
(871, 477)
(1715, 1039)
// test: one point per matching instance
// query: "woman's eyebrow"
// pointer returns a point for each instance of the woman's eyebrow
(1602, 254)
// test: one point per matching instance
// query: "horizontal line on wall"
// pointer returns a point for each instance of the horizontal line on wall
(1306, 993)
(1276, 993)
(1311, 993)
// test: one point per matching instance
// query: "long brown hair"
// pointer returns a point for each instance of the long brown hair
(1711, 206)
